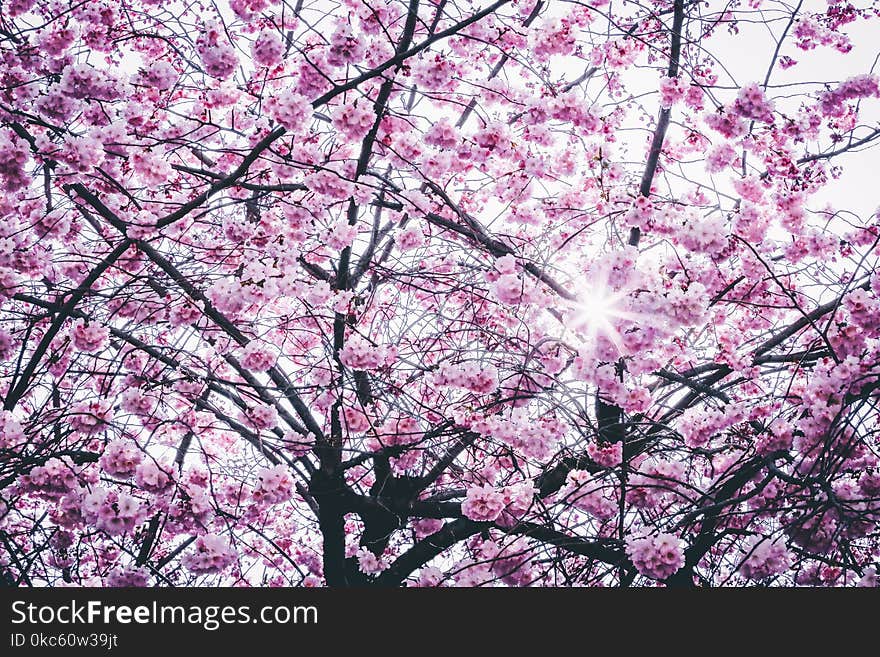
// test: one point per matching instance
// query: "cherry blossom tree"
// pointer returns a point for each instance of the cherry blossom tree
(435, 292)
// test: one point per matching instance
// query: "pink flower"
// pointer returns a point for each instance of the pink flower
(217, 54)
(588, 494)
(430, 576)
(355, 420)
(90, 338)
(267, 48)
(262, 416)
(11, 432)
(764, 558)
(410, 238)
(482, 380)
(151, 477)
(720, 157)
(672, 90)
(483, 503)
(752, 104)
(91, 417)
(274, 485)
(127, 577)
(136, 401)
(657, 557)
(443, 134)
(121, 458)
(158, 74)
(369, 563)
(291, 110)
(345, 46)
(608, 455)
(427, 526)
(869, 579)
(831, 103)
(342, 234)
(257, 356)
(354, 120)
(360, 354)
(209, 554)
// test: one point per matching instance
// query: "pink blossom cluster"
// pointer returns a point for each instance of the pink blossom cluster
(291, 110)
(258, 356)
(267, 48)
(112, 512)
(18, 7)
(483, 503)
(608, 455)
(341, 235)
(512, 563)
(151, 477)
(246, 9)
(751, 103)
(217, 54)
(85, 81)
(261, 416)
(727, 122)
(52, 480)
(657, 557)
(210, 554)
(354, 120)
(699, 425)
(672, 91)
(132, 576)
(14, 156)
(158, 74)
(534, 438)
(274, 485)
(869, 579)
(704, 235)
(11, 431)
(518, 501)
(654, 483)
(640, 213)
(399, 430)
(481, 379)
(227, 296)
(764, 558)
(138, 402)
(442, 134)
(810, 33)
(9, 282)
(82, 154)
(429, 577)
(152, 169)
(514, 289)
(833, 102)
(434, 72)
(345, 47)
(720, 157)
(410, 237)
(588, 494)
(557, 37)
(569, 108)
(369, 563)
(360, 354)
(687, 306)
(90, 417)
(779, 435)
(89, 337)
(121, 458)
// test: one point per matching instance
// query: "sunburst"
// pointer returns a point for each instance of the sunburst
(596, 309)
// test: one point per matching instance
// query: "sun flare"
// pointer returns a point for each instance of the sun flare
(595, 312)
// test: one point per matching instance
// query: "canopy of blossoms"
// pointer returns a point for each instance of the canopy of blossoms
(439, 292)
